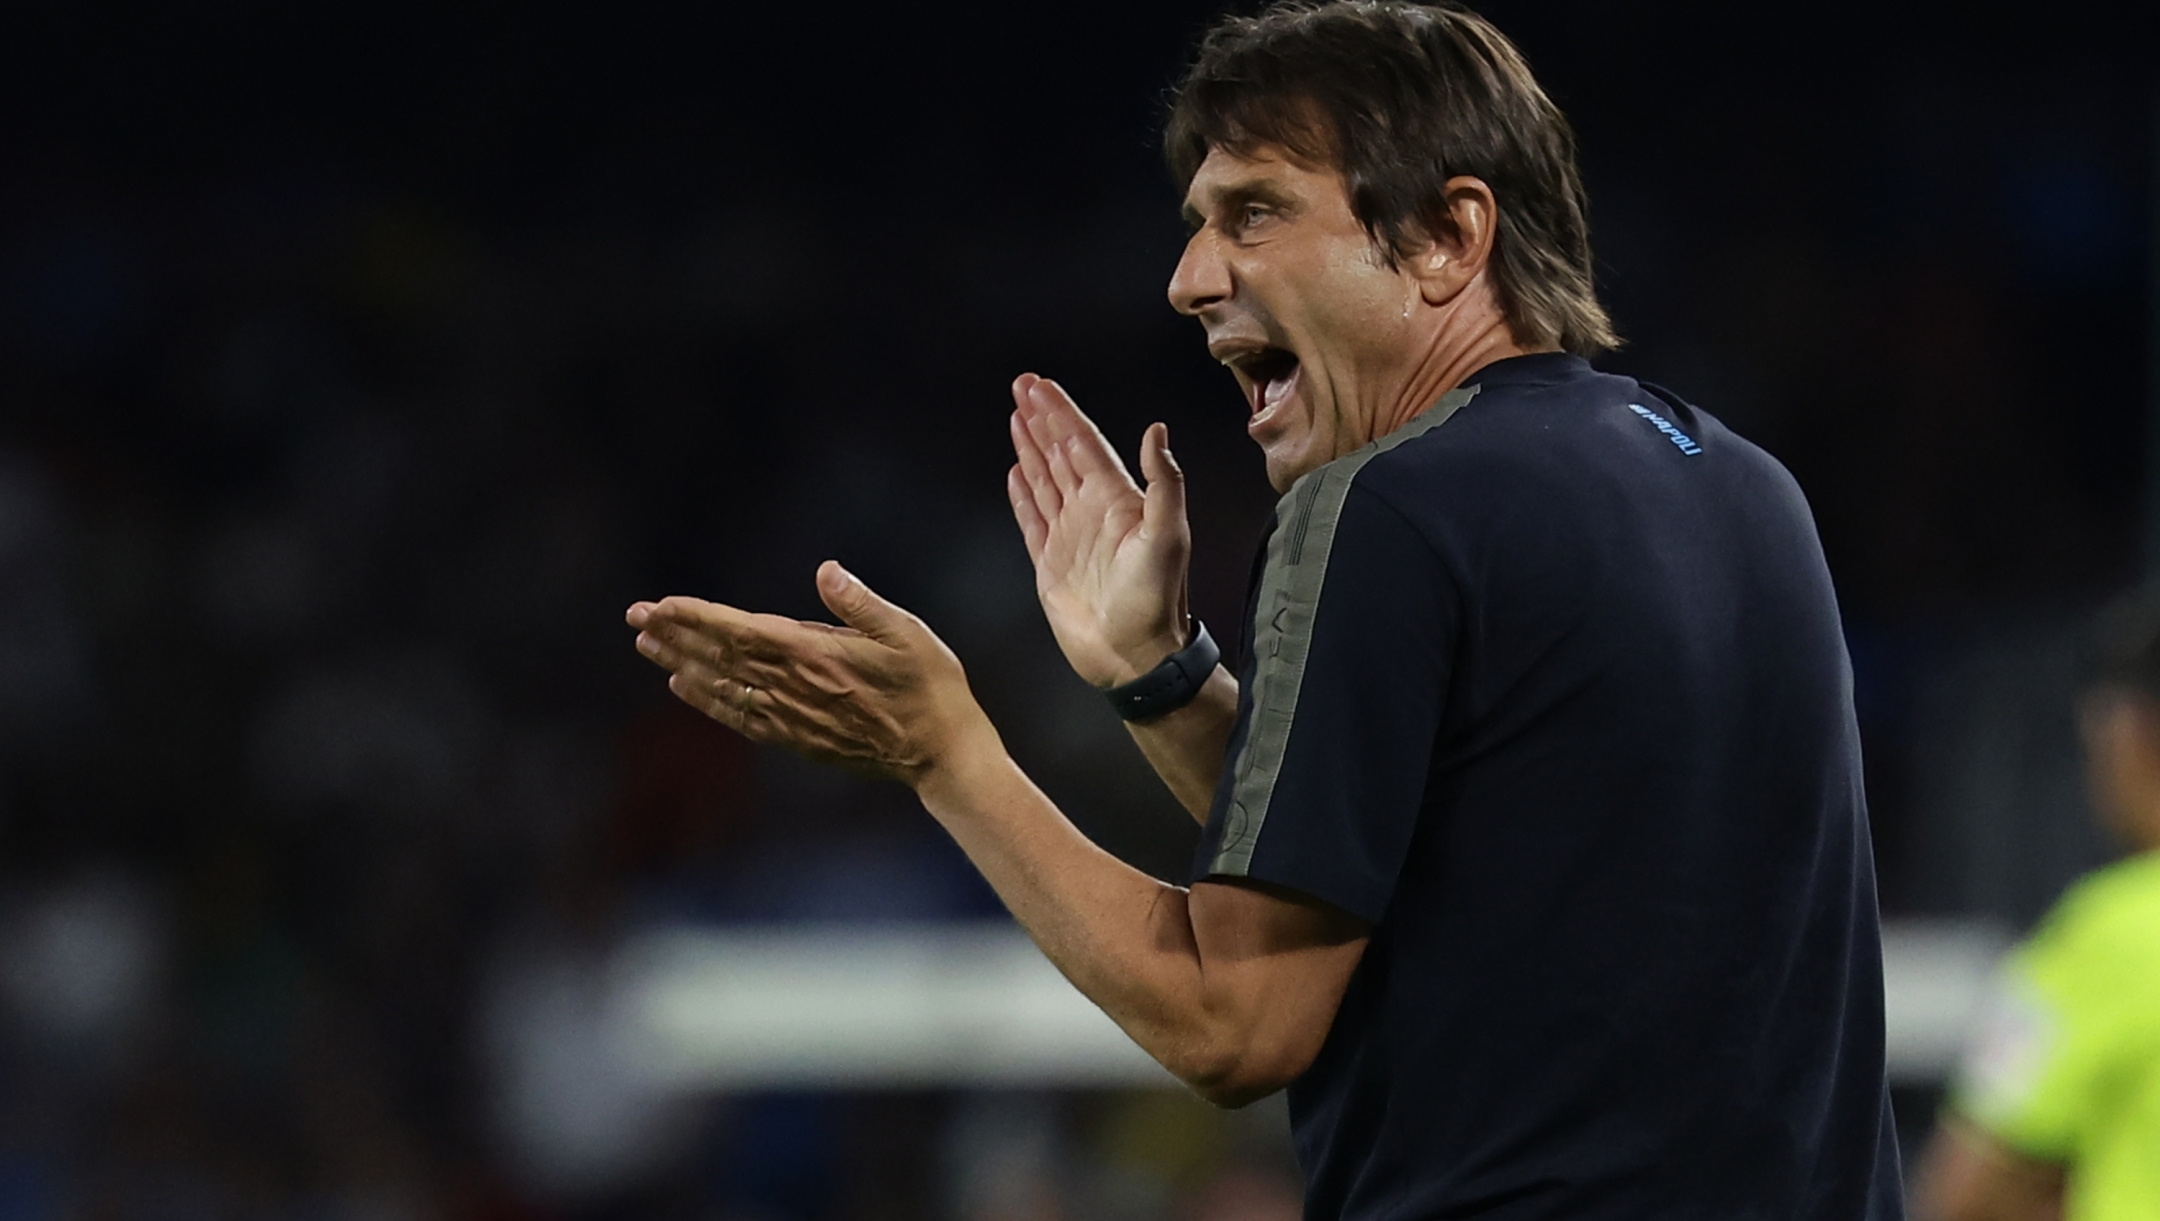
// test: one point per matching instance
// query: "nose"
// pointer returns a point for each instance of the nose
(1202, 278)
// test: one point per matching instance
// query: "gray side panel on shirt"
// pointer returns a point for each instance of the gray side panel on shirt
(1290, 584)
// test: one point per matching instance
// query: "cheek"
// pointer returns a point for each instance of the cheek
(1342, 293)
(2103, 780)
(1359, 319)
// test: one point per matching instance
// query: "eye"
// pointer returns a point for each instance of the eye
(1252, 214)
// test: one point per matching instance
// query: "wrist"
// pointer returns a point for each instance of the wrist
(1173, 684)
(1143, 657)
(960, 761)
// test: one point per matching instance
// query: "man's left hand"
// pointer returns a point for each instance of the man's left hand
(882, 694)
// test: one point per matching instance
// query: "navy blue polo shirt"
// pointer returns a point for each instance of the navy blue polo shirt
(1549, 686)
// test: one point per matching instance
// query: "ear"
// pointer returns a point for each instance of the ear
(1458, 244)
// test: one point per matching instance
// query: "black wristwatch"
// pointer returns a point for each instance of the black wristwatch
(1171, 685)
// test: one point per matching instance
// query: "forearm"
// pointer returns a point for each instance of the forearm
(1125, 939)
(1966, 1174)
(1211, 985)
(1188, 747)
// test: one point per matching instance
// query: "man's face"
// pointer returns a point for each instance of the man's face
(2122, 762)
(1299, 304)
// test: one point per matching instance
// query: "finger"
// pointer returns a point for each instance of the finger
(1088, 449)
(1048, 411)
(677, 659)
(1164, 513)
(693, 658)
(729, 631)
(766, 681)
(735, 705)
(773, 715)
(1035, 469)
(655, 650)
(673, 646)
(689, 635)
(846, 596)
(661, 644)
(1042, 433)
(767, 651)
(1033, 529)
(1061, 471)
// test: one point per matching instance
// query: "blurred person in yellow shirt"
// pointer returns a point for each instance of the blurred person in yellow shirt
(2056, 1111)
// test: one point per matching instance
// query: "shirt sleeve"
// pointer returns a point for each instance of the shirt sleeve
(1353, 631)
(2019, 1077)
(2067, 1014)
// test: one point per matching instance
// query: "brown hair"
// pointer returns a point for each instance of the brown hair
(2123, 650)
(1399, 98)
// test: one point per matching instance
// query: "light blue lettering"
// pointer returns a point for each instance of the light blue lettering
(1685, 442)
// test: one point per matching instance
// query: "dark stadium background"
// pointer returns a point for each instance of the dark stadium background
(360, 363)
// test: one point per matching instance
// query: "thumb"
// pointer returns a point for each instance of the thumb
(1165, 511)
(846, 596)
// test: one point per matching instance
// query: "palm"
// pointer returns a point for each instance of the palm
(1109, 559)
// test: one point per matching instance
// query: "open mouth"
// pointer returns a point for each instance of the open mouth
(1270, 374)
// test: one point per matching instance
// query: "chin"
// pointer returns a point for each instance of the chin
(1286, 463)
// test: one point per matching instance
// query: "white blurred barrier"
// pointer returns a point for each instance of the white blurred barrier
(924, 1005)
(1935, 975)
(980, 1006)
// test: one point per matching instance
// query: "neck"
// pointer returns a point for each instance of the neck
(2134, 819)
(1462, 340)
(2143, 835)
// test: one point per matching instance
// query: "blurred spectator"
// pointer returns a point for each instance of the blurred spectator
(2057, 1110)
(45, 687)
(575, 1124)
(1007, 1160)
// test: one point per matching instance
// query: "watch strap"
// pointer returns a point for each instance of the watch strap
(1171, 685)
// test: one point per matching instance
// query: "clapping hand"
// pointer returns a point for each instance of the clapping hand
(1110, 559)
(881, 694)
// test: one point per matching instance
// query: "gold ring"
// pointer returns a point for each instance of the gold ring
(742, 702)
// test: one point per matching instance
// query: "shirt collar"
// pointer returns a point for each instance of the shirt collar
(1530, 369)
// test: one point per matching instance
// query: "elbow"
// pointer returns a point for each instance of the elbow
(1231, 1076)
(1235, 1093)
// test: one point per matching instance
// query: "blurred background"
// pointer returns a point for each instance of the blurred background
(360, 363)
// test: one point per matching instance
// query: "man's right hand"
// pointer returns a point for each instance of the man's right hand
(1110, 560)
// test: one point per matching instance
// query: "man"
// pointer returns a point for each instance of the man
(2057, 1110)
(1535, 860)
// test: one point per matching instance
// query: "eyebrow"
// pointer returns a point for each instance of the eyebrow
(1236, 196)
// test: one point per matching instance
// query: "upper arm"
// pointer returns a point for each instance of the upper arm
(1353, 632)
(1274, 966)
(1353, 639)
